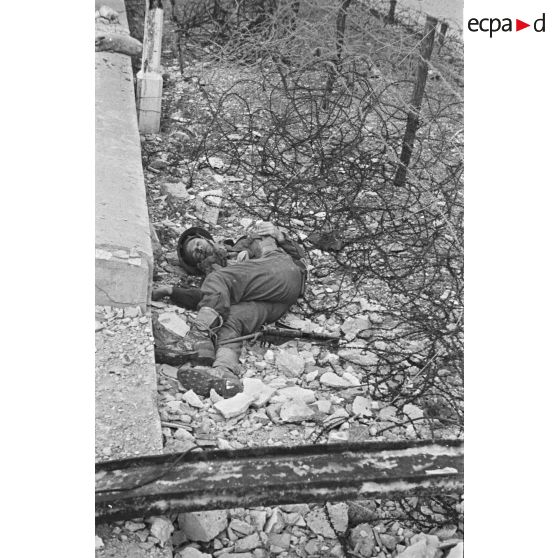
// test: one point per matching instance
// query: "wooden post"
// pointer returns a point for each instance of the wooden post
(442, 35)
(426, 46)
(391, 14)
(149, 79)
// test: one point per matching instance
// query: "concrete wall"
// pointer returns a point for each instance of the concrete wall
(123, 255)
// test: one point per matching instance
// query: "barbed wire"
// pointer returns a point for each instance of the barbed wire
(313, 125)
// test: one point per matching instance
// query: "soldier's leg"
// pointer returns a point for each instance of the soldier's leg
(244, 318)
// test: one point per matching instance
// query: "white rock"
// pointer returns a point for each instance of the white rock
(202, 526)
(248, 543)
(333, 380)
(412, 411)
(308, 357)
(183, 434)
(192, 399)
(175, 406)
(241, 527)
(171, 322)
(190, 552)
(311, 376)
(258, 391)
(334, 417)
(98, 326)
(161, 528)
(387, 412)
(295, 392)
(339, 515)
(338, 436)
(134, 526)
(275, 523)
(295, 411)
(175, 190)
(245, 222)
(362, 406)
(98, 542)
(215, 397)
(351, 378)
(224, 444)
(168, 370)
(216, 162)
(356, 357)
(289, 364)
(319, 524)
(207, 205)
(259, 518)
(234, 406)
(456, 551)
(420, 549)
(269, 356)
(353, 326)
(322, 406)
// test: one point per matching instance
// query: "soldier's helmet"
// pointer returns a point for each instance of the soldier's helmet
(186, 261)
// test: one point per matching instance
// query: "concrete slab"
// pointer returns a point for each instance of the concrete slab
(127, 422)
(123, 258)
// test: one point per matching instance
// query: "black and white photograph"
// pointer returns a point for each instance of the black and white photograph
(279, 289)
(322, 281)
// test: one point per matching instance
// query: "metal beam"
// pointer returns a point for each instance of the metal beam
(225, 479)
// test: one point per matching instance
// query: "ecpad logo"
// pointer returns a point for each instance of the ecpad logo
(494, 24)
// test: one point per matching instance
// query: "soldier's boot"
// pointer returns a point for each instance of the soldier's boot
(200, 336)
(222, 377)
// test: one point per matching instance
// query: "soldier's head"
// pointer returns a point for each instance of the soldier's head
(196, 249)
(194, 246)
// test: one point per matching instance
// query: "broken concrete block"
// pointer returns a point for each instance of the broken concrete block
(336, 436)
(248, 543)
(241, 527)
(202, 526)
(289, 364)
(281, 541)
(276, 522)
(259, 517)
(258, 391)
(319, 524)
(207, 205)
(351, 378)
(295, 392)
(191, 552)
(412, 411)
(176, 190)
(356, 357)
(456, 551)
(331, 379)
(362, 539)
(420, 549)
(192, 399)
(339, 515)
(172, 323)
(161, 528)
(295, 411)
(362, 406)
(353, 326)
(234, 406)
(322, 406)
(168, 370)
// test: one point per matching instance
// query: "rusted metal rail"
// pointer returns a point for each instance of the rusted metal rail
(224, 479)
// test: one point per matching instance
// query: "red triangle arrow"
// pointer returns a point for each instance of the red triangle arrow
(519, 25)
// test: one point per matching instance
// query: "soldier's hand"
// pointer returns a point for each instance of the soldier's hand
(265, 228)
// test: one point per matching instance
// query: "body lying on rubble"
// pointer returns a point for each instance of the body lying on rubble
(247, 284)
